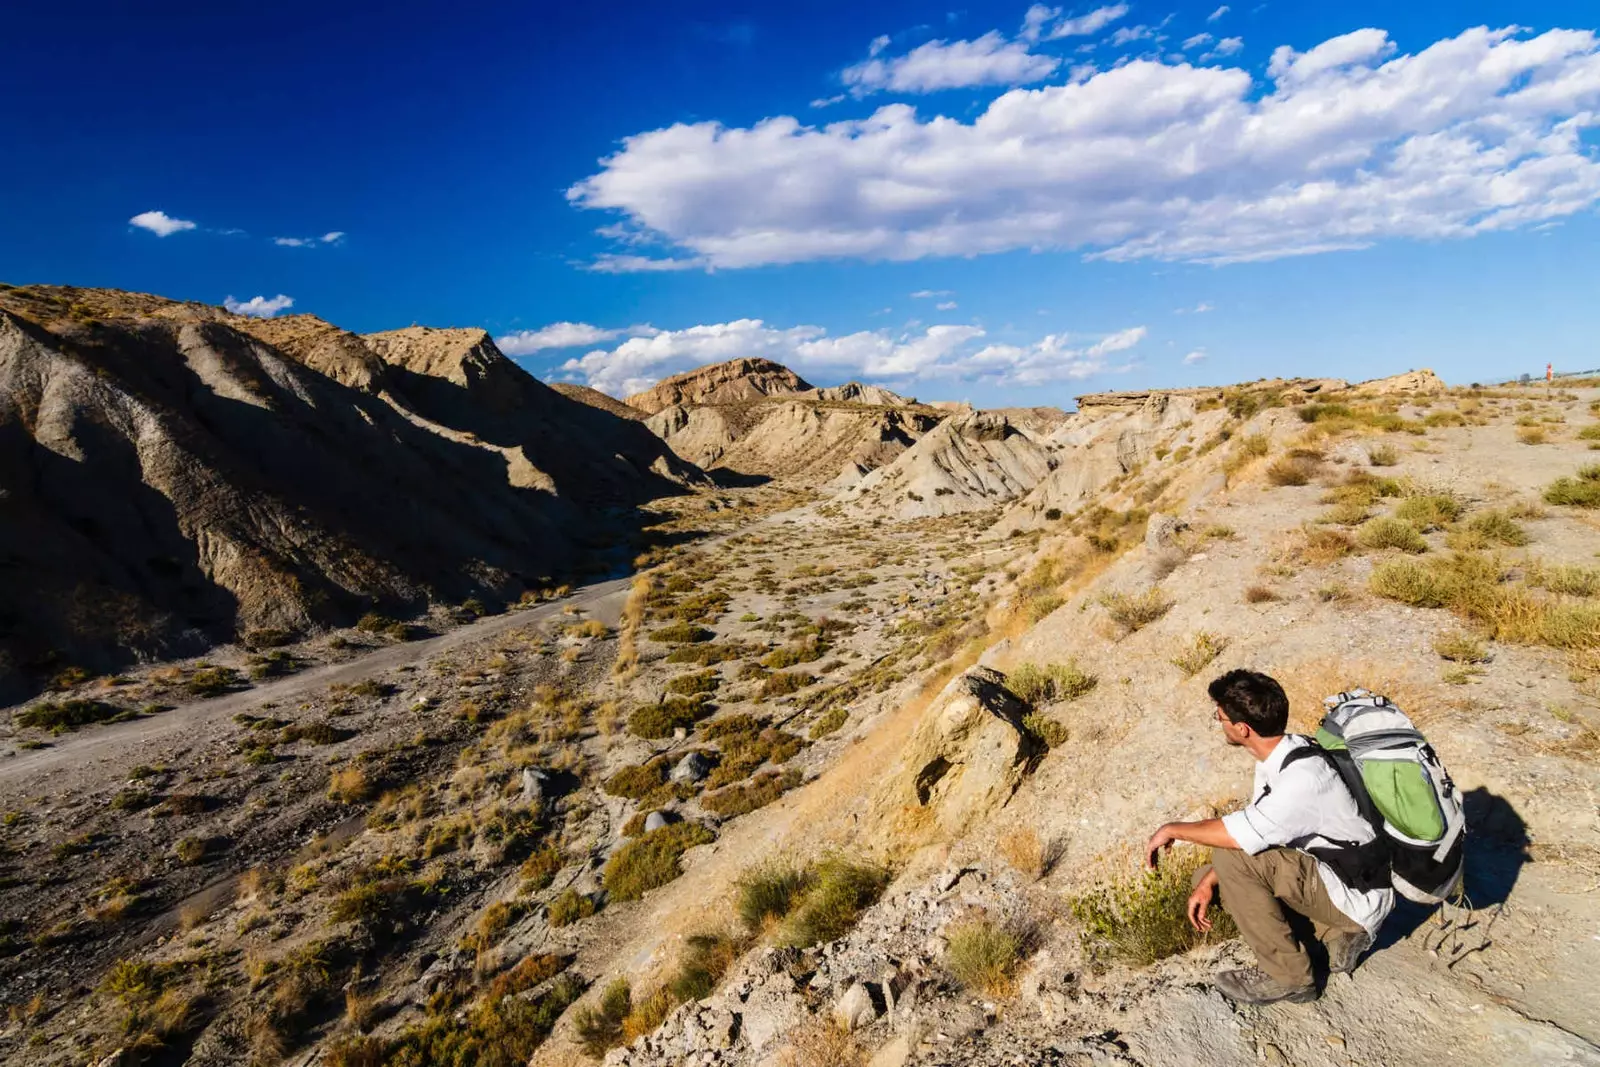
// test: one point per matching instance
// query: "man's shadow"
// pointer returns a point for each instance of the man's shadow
(1496, 849)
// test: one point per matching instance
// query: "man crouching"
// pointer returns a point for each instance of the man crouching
(1262, 857)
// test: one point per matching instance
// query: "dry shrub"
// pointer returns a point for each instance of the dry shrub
(1199, 650)
(1291, 470)
(1142, 917)
(1532, 435)
(1568, 580)
(651, 860)
(1053, 682)
(1259, 594)
(1319, 546)
(1475, 588)
(1383, 455)
(819, 1043)
(1460, 647)
(1029, 853)
(985, 955)
(348, 785)
(1582, 491)
(1308, 684)
(1390, 532)
(1135, 611)
(1429, 511)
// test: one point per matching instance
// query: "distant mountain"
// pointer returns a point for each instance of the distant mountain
(172, 475)
(720, 383)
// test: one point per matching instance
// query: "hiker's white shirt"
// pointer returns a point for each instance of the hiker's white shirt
(1309, 800)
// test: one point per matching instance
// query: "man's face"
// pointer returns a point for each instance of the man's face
(1231, 732)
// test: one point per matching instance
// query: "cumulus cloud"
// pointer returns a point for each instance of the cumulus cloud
(258, 307)
(160, 223)
(1342, 145)
(936, 65)
(1194, 357)
(1218, 13)
(564, 335)
(939, 351)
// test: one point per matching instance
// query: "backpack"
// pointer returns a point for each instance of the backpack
(1402, 789)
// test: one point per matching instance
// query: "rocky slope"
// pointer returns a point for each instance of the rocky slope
(174, 475)
(720, 383)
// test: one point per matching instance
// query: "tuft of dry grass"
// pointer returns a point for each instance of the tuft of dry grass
(1291, 470)
(1199, 650)
(1135, 611)
(1390, 532)
(1142, 918)
(1460, 647)
(1429, 511)
(1030, 854)
(1384, 455)
(1319, 546)
(1259, 594)
(1532, 435)
(1051, 683)
(819, 1043)
(984, 955)
(348, 785)
(1581, 491)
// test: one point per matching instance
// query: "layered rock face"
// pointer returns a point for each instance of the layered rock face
(172, 475)
(720, 383)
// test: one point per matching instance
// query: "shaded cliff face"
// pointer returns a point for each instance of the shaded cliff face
(720, 383)
(172, 475)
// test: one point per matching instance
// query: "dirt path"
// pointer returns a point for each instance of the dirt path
(602, 601)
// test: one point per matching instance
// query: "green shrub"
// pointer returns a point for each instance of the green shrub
(1135, 611)
(540, 869)
(1568, 580)
(656, 721)
(794, 654)
(1046, 729)
(782, 683)
(694, 684)
(983, 955)
(1582, 491)
(638, 780)
(840, 891)
(61, 715)
(652, 860)
(1144, 918)
(191, 850)
(1053, 682)
(1497, 527)
(569, 907)
(1390, 532)
(681, 633)
(500, 1031)
(766, 894)
(829, 721)
(745, 797)
(1316, 412)
(1429, 511)
(1201, 649)
(706, 958)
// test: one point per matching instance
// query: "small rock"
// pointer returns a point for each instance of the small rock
(692, 768)
(855, 1009)
(1274, 1056)
(534, 783)
(655, 821)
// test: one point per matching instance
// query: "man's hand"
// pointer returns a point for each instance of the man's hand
(1162, 838)
(1200, 902)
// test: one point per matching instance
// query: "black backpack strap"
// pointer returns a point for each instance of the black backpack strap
(1360, 866)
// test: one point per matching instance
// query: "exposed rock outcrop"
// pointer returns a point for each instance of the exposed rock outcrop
(1423, 382)
(170, 476)
(720, 383)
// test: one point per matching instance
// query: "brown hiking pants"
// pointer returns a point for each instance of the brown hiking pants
(1256, 889)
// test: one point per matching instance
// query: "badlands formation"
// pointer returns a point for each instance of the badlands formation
(848, 762)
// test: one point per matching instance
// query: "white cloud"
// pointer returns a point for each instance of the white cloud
(939, 351)
(607, 263)
(160, 223)
(333, 237)
(564, 335)
(945, 305)
(293, 242)
(1218, 13)
(1035, 20)
(1226, 47)
(828, 101)
(1342, 146)
(989, 60)
(258, 307)
(1090, 24)
(929, 294)
(1199, 309)
(1198, 40)
(1194, 357)
(879, 43)
(1128, 34)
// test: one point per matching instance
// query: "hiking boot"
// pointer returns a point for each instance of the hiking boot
(1345, 949)
(1254, 986)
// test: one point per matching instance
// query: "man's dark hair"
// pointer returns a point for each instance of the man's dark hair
(1253, 698)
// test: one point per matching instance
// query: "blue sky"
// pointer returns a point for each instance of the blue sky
(1102, 196)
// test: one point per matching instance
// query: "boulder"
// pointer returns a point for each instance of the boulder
(692, 768)
(967, 756)
(535, 783)
(854, 1009)
(656, 820)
